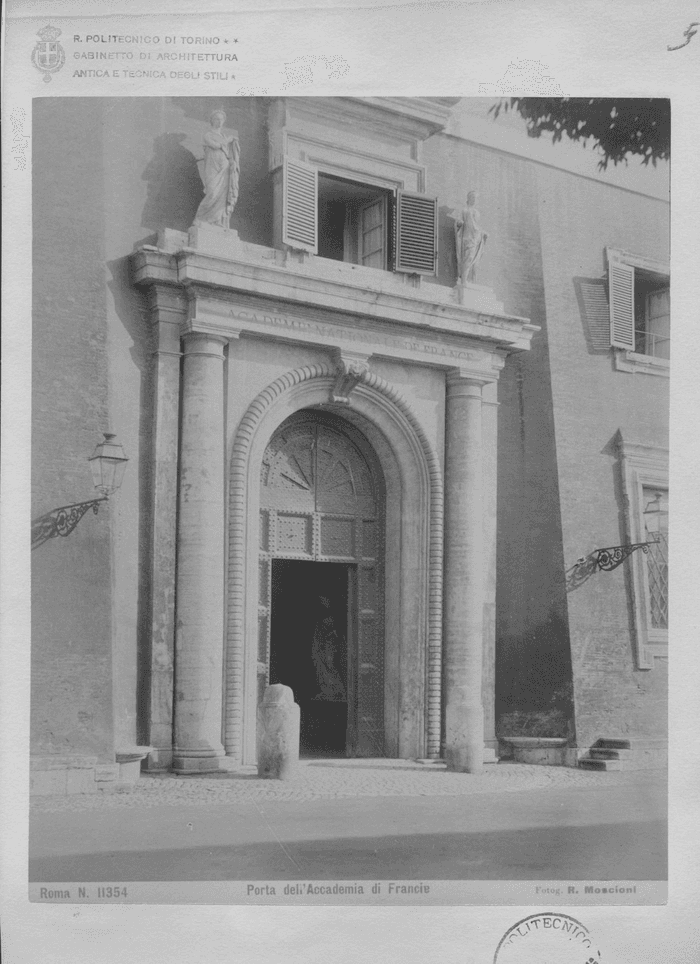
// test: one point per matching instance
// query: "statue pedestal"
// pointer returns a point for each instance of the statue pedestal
(477, 297)
(211, 239)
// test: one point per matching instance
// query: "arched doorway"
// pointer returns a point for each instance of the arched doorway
(398, 453)
(321, 576)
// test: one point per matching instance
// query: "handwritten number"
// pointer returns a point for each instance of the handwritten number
(689, 34)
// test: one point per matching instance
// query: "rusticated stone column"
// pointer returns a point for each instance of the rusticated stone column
(464, 582)
(200, 559)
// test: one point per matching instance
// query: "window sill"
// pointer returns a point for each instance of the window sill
(630, 361)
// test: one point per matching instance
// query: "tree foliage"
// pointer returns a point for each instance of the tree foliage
(621, 128)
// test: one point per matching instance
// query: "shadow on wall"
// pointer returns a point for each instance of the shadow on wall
(174, 185)
(447, 259)
(535, 691)
(132, 310)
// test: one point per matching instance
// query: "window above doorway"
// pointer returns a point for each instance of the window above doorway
(353, 222)
(349, 184)
(358, 223)
(640, 313)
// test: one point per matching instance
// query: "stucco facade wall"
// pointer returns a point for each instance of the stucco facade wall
(532, 645)
(151, 181)
(591, 403)
(72, 623)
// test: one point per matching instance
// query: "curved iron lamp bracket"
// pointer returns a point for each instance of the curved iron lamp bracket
(605, 559)
(613, 556)
(61, 521)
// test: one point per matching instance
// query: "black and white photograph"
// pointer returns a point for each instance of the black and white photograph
(373, 581)
(340, 419)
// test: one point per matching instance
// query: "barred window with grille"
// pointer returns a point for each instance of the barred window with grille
(644, 477)
(656, 526)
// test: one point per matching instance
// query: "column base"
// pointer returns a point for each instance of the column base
(209, 765)
(465, 759)
(198, 761)
(464, 743)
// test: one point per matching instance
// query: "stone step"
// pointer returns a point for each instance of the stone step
(600, 753)
(612, 744)
(589, 763)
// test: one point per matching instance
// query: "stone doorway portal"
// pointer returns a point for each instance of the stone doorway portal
(321, 581)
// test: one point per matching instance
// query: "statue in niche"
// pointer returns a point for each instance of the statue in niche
(324, 652)
(470, 240)
(222, 168)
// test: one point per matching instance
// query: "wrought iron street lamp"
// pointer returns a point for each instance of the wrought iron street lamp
(107, 463)
(611, 557)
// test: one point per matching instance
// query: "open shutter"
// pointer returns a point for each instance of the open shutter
(373, 234)
(300, 205)
(621, 294)
(415, 233)
(595, 310)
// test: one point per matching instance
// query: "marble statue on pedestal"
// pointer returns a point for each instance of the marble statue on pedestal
(222, 167)
(470, 240)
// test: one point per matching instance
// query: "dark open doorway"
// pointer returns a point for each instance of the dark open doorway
(310, 632)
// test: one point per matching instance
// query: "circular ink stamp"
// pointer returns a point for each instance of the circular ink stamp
(547, 938)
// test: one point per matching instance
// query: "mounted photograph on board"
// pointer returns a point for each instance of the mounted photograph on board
(365, 584)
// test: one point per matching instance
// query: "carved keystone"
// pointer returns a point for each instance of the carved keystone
(351, 368)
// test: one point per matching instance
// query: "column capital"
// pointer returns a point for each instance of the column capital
(204, 343)
(464, 382)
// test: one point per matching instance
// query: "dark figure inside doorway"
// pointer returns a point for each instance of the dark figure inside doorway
(325, 649)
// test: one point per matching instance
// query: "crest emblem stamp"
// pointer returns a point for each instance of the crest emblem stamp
(48, 55)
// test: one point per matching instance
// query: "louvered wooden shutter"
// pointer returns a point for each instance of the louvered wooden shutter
(593, 299)
(415, 233)
(300, 205)
(621, 294)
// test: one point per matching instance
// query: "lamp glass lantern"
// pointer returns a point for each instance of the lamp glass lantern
(107, 463)
(656, 516)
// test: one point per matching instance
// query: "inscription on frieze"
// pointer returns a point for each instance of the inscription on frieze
(366, 338)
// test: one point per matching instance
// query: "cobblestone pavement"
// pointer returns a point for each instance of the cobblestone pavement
(337, 779)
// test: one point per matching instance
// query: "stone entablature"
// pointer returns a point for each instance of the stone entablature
(236, 288)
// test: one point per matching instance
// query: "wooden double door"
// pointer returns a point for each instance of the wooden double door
(320, 607)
